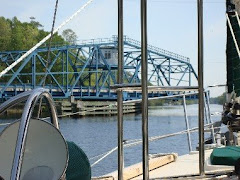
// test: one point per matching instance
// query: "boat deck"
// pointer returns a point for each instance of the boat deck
(187, 165)
(183, 166)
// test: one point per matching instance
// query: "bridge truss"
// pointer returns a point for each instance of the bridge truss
(87, 70)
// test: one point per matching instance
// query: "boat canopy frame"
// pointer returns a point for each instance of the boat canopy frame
(32, 98)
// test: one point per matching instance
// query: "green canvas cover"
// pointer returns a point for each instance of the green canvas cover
(225, 156)
(78, 165)
(233, 63)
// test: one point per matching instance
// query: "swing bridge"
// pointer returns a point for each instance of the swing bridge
(87, 70)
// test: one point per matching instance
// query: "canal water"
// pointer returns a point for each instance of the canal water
(97, 135)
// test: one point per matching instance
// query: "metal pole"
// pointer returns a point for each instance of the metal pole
(205, 110)
(144, 79)
(187, 124)
(120, 93)
(209, 116)
(200, 86)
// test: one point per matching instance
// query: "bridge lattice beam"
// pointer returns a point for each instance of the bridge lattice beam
(87, 70)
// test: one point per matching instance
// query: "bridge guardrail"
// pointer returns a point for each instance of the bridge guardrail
(114, 39)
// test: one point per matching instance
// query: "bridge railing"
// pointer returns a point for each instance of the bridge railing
(158, 50)
(98, 41)
(126, 39)
(114, 39)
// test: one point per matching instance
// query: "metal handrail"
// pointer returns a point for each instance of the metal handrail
(32, 98)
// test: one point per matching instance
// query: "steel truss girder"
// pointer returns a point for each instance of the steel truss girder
(85, 72)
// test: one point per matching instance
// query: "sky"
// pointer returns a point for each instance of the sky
(172, 25)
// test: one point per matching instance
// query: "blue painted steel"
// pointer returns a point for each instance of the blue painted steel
(87, 70)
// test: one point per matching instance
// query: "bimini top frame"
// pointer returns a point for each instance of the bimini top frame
(32, 98)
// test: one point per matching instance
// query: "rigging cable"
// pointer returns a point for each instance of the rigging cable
(48, 56)
(50, 42)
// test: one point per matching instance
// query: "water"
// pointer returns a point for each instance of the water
(97, 135)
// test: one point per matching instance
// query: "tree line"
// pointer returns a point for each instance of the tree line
(219, 99)
(17, 35)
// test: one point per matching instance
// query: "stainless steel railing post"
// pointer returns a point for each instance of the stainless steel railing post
(205, 109)
(120, 92)
(144, 80)
(200, 86)
(209, 115)
(187, 123)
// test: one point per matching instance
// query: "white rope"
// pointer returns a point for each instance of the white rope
(43, 40)
(94, 157)
(139, 141)
(237, 16)
(110, 152)
(233, 36)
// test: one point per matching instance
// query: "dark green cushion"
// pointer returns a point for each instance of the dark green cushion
(225, 156)
(78, 165)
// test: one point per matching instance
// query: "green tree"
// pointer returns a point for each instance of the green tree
(218, 100)
(5, 34)
(35, 23)
(17, 34)
(70, 36)
(30, 34)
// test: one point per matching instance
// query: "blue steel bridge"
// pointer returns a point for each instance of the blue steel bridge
(86, 70)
